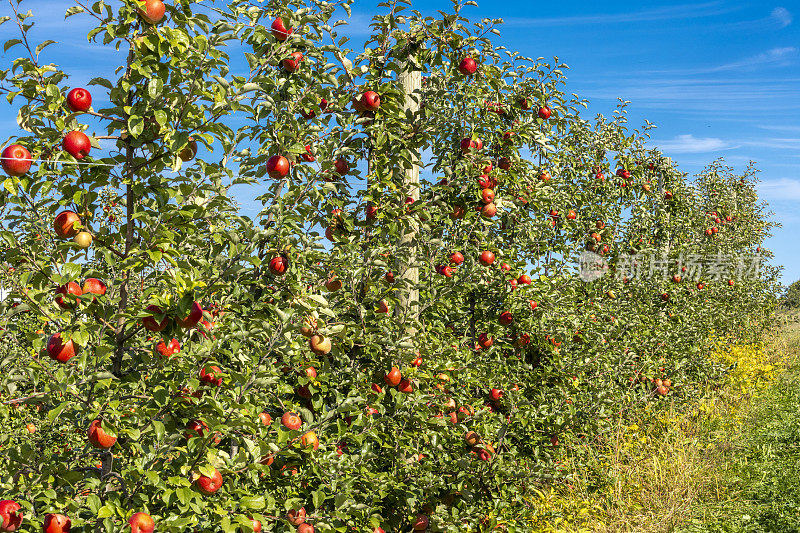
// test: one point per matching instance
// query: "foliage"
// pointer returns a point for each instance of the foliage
(167, 233)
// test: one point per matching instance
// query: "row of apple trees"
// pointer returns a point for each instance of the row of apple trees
(362, 350)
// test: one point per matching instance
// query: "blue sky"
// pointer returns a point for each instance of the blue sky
(719, 78)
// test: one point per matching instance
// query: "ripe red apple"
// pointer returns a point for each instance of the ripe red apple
(533, 304)
(333, 284)
(456, 258)
(64, 224)
(279, 30)
(624, 174)
(77, 144)
(59, 350)
(405, 386)
(99, 438)
(489, 210)
(10, 515)
(468, 145)
(484, 340)
(383, 307)
(496, 394)
(393, 377)
(544, 112)
(305, 528)
(79, 100)
(153, 11)
(505, 267)
(372, 212)
(193, 318)
(277, 167)
(189, 151)
(94, 286)
(168, 350)
(376, 388)
(487, 258)
(150, 323)
(211, 376)
(544, 176)
(468, 66)
(16, 160)
(70, 288)
(506, 318)
(341, 167)
(370, 101)
(209, 485)
(291, 420)
(487, 196)
(446, 271)
(524, 279)
(572, 215)
(195, 428)
(141, 523)
(56, 523)
(278, 265)
(296, 516)
(420, 523)
(292, 63)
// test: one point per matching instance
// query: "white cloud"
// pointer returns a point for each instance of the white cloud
(780, 189)
(773, 57)
(781, 16)
(689, 144)
(655, 14)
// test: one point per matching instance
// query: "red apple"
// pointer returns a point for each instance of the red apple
(468, 66)
(456, 258)
(94, 286)
(421, 522)
(496, 394)
(484, 340)
(544, 112)
(277, 167)
(99, 438)
(79, 100)
(405, 386)
(70, 288)
(489, 210)
(211, 376)
(64, 224)
(296, 516)
(341, 167)
(487, 196)
(370, 101)
(468, 145)
(150, 323)
(383, 307)
(305, 528)
(291, 420)
(487, 258)
(292, 63)
(372, 212)
(209, 485)
(77, 144)
(278, 265)
(153, 11)
(141, 523)
(16, 160)
(393, 377)
(506, 318)
(310, 440)
(279, 30)
(56, 523)
(168, 350)
(193, 318)
(10, 515)
(59, 350)
(524, 279)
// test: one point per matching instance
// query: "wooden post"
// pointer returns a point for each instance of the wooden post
(411, 81)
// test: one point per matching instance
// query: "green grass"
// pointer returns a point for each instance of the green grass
(758, 464)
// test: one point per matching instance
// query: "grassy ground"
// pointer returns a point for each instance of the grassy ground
(729, 464)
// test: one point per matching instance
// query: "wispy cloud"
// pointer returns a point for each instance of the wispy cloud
(781, 16)
(774, 57)
(780, 189)
(689, 144)
(684, 11)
